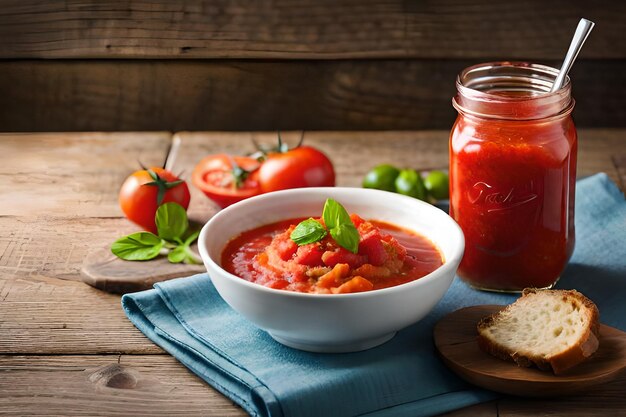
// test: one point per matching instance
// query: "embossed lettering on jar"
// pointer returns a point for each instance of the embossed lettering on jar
(512, 175)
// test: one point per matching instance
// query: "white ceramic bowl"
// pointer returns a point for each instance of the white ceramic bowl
(332, 322)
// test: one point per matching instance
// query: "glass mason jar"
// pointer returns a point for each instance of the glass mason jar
(512, 175)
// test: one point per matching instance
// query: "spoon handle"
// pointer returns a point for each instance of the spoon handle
(580, 36)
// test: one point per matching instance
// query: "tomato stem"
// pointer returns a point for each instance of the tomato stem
(301, 140)
(281, 147)
(161, 184)
(238, 173)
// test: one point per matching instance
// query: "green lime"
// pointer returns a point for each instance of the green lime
(409, 182)
(381, 177)
(436, 183)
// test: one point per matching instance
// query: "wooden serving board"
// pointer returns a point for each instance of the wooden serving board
(455, 339)
(105, 271)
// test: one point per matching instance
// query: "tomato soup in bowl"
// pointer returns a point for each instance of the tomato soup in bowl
(386, 256)
(333, 287)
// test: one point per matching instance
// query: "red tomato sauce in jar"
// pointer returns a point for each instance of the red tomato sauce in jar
(388, 256)
(512, 181)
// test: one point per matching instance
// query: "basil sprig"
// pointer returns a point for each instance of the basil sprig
(183, 252)
(338, 224)
(138, 246)
(174, 239)
(308, 231)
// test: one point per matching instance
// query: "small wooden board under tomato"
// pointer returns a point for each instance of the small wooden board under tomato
(455, 339)
(105, 271)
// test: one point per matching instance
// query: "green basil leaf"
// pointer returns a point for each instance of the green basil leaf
(177, 255)
(171, 221)
(335, 214)
(191, 238)
(308, 231)
(347, 236)
(139, 246)
(340, 225)
(183, 252)
(329, 215)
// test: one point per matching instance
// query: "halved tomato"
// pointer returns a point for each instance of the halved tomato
(227, 179)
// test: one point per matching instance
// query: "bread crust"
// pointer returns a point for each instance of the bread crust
(585, 347)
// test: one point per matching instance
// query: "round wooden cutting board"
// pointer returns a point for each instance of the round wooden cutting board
(107, 272)
(455, 339)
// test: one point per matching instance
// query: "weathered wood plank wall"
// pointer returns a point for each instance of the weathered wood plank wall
(302, 64)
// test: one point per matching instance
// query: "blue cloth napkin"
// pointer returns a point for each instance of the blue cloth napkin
(187, 318)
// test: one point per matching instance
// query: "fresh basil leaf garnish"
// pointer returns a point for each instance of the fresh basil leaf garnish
(331, 213)
(171, 221)
(347, 236)
(337, 222)
(308, 231)
(177, 255)
(340, 225)
(140, 246)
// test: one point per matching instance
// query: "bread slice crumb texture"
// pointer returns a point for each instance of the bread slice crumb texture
(554, 329)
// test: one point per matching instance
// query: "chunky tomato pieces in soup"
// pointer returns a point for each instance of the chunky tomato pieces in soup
(387, 256)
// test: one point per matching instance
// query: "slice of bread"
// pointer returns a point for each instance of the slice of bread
(551, 329)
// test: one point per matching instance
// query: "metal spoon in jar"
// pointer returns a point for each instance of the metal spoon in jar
(580, 36)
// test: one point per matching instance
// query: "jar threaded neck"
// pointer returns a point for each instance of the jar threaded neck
(511, 91)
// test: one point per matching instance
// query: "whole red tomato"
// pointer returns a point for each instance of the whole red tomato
(303, 166)
(227, 180)
(139, 196)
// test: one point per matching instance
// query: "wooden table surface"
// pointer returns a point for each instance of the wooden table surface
(68, 349)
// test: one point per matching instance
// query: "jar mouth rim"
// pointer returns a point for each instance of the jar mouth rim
(510, 90)
(481, 80)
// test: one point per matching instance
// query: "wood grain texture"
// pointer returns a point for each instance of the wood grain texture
(105, 385)
(37, 248)
(43, 305)
(595, 150)
(605, 400)
(224, 95)
(263, 95)
(306, 29)
(69, 174)
(53, 316)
